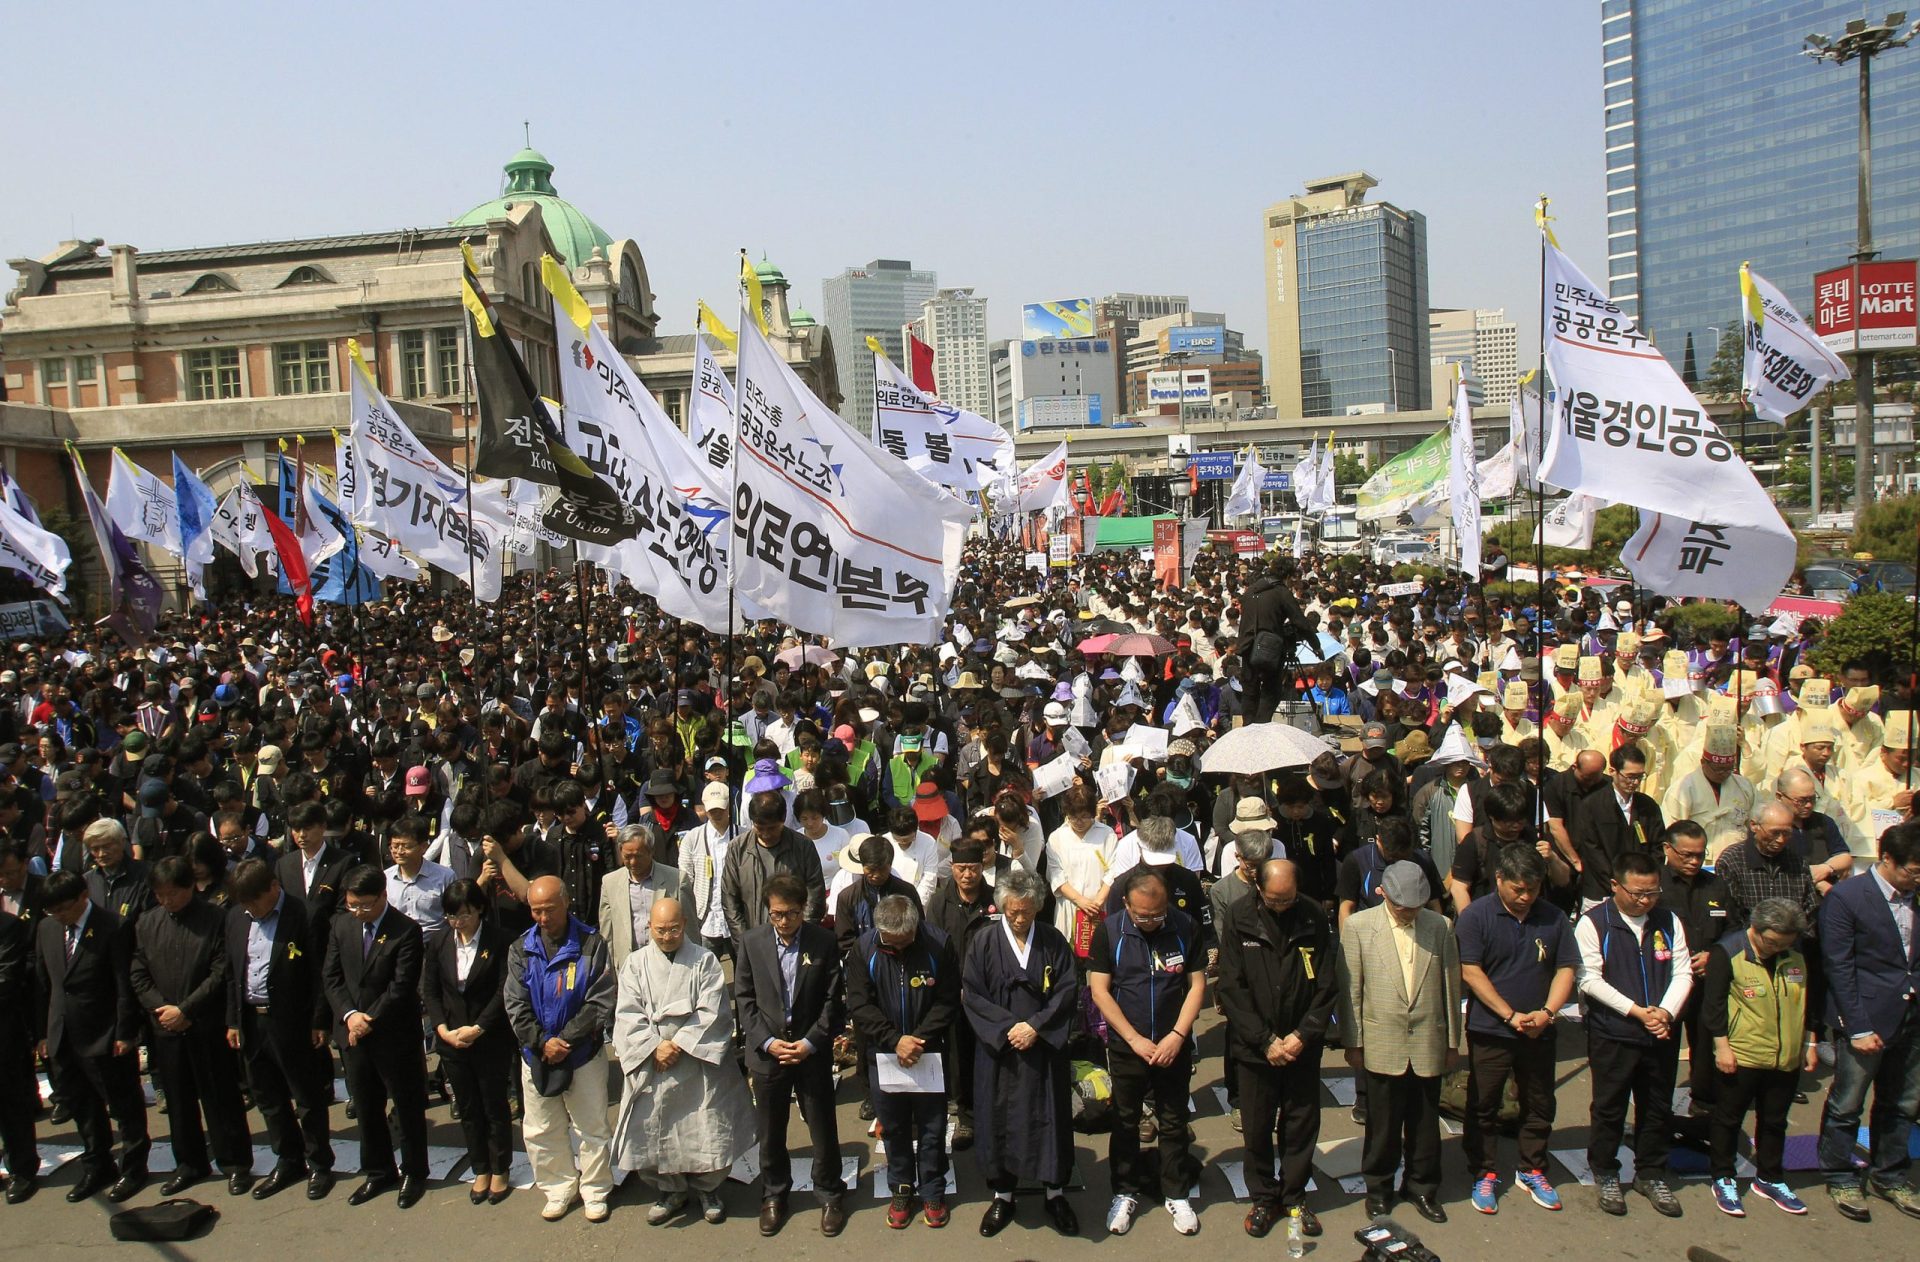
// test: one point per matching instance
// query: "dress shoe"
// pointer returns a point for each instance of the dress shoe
(498, 1195)
(1061, 1215)
(773, 1215)
(239, 1183)
(999, 1214)
(376, 1185)
(1428, 1208)
(92, 1179)
(21, 1188)
(478, 1195)
(61, 1113)
(127, 1186)
(1260, 1220)
(1309, 1222)
(319, 1183)
(1379, 1206)
(833, 1218)
(278, 1179)
(412, 1188)
(183, 1178)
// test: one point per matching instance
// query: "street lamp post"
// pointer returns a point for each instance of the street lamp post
(1862, 41)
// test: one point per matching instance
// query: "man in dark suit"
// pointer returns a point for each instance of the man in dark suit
(19, 1100)
(372, 972)
(1870, 936)
(89, 1029)
(787, 984)
(179, 978)
(115, 882)
(312, 868)
(1607, 825)
(277, 1018)
(23, 892)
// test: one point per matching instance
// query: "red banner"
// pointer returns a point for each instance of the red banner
(1166, 552)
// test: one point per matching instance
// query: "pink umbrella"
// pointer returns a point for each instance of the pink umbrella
(1097, 643)
(810, 655)
(1138, 646)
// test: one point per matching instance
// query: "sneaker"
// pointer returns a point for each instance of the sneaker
(1185, 1221)
(1851, 1201)
(711, 1209)
(1486, 1193)
(1612, 1199)
(934, 1214)
(1726, 1195)
(1780, 1194)
(900, 1209)
(598, 1211)
(1535, 1181)
(1900, 1195)
(1655, 1189)
(555, 1209)
(1120, 1215)
(666, 1207)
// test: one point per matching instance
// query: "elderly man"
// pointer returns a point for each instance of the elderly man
(1634, 979)
(1870, 939)
(559, 996)
(1277, 990)
(1879, 788)
(1818, 838)
(903, 996)
(1715, 795)
(685, 1117)
(627, 893)
(1020, 993)
(1764, 866)
(1400, 1014)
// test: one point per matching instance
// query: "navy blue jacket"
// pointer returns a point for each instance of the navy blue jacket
(1871, 981)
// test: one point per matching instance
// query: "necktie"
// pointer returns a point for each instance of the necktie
(366, 942)
(73, 941)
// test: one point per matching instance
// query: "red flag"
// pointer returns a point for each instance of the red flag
(1086, 504)
(920, 364)
(1115, 505)
(293, 563)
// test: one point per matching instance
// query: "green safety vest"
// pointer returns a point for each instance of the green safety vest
(1767, 1012)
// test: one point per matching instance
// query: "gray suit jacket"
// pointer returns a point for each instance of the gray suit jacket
(616, 910)
(1396, 1032)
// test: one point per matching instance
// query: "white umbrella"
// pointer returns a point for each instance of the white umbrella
(1257, 747)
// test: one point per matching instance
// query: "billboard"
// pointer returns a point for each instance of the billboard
(1213, 466)
(1879, 317)
(1277, 481)
(1070, 317)
(1061, 411)
(1198, 339)
(1175, 384)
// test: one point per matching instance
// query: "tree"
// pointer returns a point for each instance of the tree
(1612, 527)
(1887, 528)
(1875, 627)
(1348, 470)
(1729, 358)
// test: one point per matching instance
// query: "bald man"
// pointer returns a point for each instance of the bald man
(1765, 866)
(559, 999)
(1818, 837)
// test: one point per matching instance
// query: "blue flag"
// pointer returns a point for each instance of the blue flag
(340, 579)
(197, 507)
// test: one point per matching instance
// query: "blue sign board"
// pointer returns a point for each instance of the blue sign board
(1277, 482)
(1198, 339)
(1212, 466)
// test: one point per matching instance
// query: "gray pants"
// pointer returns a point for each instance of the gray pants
(669, 1184)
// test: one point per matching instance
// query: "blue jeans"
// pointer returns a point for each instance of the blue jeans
(1894, 1076)
(914, 1124)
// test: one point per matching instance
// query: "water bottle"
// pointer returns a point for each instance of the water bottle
(1296, 1234)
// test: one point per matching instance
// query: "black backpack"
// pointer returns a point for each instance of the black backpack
(179, 1219)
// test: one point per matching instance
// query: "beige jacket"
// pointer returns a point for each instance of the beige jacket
(1395, 1032)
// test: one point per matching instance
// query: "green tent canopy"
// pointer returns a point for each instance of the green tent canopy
(1127, 532)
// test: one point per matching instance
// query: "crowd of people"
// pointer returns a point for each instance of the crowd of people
(639, 890)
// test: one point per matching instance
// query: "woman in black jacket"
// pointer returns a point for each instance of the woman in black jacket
(466, 967)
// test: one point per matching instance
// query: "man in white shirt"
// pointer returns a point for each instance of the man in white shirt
(917, 856)
(1633, 980)
(703, 859)
(414, 885)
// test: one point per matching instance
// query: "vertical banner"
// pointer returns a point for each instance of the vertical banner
(1166, 552)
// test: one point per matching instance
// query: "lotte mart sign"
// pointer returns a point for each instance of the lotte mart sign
(1867, 306)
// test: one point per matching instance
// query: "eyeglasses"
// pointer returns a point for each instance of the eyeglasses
(1800, 801)
(1638, 896)
(1687, 856)
(1631, 777)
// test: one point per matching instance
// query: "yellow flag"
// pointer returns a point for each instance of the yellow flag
(554, 275)
(469, 292)
(873, 344)
(359, 361)
(750, 285)
(1541, 219)
(717, 328)
(1750, 293)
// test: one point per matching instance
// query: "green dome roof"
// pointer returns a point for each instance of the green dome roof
(529, 178)
(768, 273)
(801, 318)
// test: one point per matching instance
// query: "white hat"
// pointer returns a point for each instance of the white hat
(1130, 695)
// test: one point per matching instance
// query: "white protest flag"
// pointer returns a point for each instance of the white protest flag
(942, 443)
(1626, 430)
(1785, 363)
(835, 535)
(326, 535)
(1569, 524)
(1325, 493)
(1043, 485)
(1497, 474)
(35, 551)
(405, 493)
(1306, 478)
(1245, 499)
(1523, 428)
(710, 412)
(1463, 478)
(1300, 536)
(383, 558)
(142, 505)
(239, 527)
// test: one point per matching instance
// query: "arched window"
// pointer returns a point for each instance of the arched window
(213, 283)
(307, 275)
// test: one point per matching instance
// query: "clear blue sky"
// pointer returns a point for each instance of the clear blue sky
(1032, 151)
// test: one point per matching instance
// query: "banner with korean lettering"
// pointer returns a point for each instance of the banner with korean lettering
(240, 529)
(1042, 485)
(834, 535)
(940, 442)
(1463, 478)
(1784, 363)
(404, 492)
(34, 551)
(142, 504)
(1569, 524)
(1625, 429)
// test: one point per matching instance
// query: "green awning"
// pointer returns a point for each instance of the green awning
(1127, 532)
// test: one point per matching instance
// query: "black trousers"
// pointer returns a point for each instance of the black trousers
(1491, 1060)
(198, 1073)
(481, 1077)
(1769, 1093)
(1642, 1073)
(291, 1091)
(1266, 688)
(382, 1070)
(1403, 1124)
(1703, 1078)
(1136, 1172)
(961, 1049)
(1286, 1098)
(811, 1083)
(103, 1094)
(19, 1102)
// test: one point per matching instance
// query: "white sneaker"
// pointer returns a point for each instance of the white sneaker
(556, 1209)
(597, 1211)
(1185, 1221)
(1120, 1216)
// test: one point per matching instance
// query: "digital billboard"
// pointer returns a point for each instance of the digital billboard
(1197, 339)
(1070, 317)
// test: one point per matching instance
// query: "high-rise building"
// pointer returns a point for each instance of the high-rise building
(954, 323)
(1346, 302)
(1137, 307)
(1485, 341)
(872, 301)
(1724, 145)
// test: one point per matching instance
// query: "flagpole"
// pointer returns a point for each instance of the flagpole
(1543, 692)
(466, 331)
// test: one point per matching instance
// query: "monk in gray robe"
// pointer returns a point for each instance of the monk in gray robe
(686, 1116)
